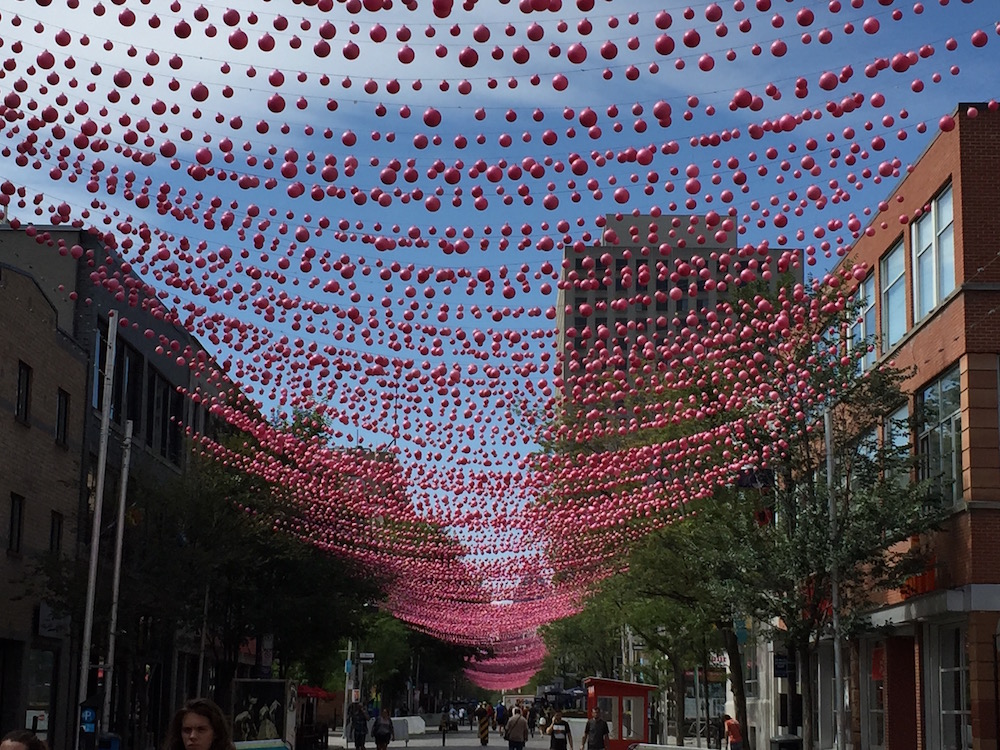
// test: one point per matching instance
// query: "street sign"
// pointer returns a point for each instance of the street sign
(366, 657)
(348, 666)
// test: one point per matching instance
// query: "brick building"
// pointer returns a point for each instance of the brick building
(52, 351)
(43, 397)
(646, 276)
(931, 301)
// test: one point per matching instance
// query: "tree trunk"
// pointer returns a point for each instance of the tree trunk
(737, 677)
(679, 695)
(803, 659)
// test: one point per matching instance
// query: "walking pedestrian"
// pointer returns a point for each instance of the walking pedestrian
(532, 720)
(560, 736)
(596, 733)
(22, 739)
(382, 730)
(198, 725)
(483, 717)
(443, 726)
(502, 717)
(734, 733)
(357, 724)
(516, 731)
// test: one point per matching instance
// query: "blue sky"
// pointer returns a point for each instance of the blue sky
(532, 131)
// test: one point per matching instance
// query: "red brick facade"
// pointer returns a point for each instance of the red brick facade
(963, 330)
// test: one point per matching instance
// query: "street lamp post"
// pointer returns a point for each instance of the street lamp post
(838, 677)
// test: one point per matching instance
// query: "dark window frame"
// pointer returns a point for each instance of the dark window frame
(15, 525)
(62, 417)
(57, 523)
(22, 406)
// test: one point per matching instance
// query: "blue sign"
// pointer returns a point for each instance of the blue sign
(88, 720)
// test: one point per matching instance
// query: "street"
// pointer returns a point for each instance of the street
(468, 739)
(463, 739)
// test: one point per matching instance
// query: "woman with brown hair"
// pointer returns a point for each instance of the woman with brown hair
(22, 739)
(198, 725)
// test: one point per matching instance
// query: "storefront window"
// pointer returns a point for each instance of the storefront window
(953, 675)
(609, 712)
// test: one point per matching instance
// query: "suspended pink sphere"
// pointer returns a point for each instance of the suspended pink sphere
(664, 44)
(828, 81)
(432, 118)
(238, 39)
(468, 57)
(276, 103)
(560, 82)
(706, 62)
(405, 54)
(576, 53)
(947, 123)
(979, 38)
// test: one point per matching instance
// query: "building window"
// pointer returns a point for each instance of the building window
(934, 255)
(896, 432)
(100, 354)
(863, 330)
(875, 698)
(40, 679)
(953, 686)
(175, 421)
(15, 529)
(56, 533)
(751, 668)
(126, 401)
(62, 417)
(940, 435)
(22, 407)
(893, 289)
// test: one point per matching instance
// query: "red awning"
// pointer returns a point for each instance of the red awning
(308, 691)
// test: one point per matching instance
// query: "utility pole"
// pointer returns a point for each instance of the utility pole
(109, 667)
(838, 677)
(95, 531)
(348, 686)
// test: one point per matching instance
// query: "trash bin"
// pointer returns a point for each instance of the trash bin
(786, 742)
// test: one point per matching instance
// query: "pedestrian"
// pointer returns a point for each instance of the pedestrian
(198, 725)
(501, 716)
(560, 736)
(532, 719)
(22, 739)
(483, 717)
(733, 731)
(382, 730)
(493, 715)
(516, 731)
(443, 726)
(596, 733)
(357, 721)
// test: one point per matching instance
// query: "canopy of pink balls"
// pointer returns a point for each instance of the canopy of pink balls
(350, 241)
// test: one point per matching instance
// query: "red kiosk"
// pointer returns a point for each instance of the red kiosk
(625, 706)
